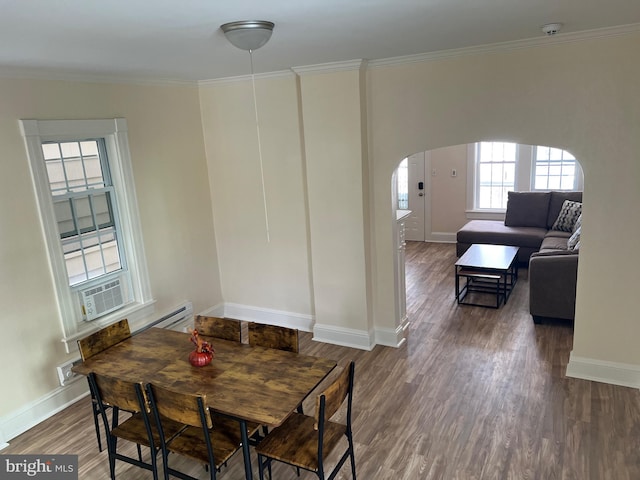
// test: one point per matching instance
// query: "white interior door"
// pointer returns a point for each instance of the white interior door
(418, 193)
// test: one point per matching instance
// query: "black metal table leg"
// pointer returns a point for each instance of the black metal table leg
(245, 450)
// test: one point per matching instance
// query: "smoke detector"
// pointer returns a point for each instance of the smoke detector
(551, 28)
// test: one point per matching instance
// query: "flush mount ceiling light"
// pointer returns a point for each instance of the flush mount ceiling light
(248, 34)
(551, 28)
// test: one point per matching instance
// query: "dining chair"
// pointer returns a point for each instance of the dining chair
(96, 343)
(223, 328)
(306, 442)
(210, 440)
(124, 396)
(272, 336)
(276, 337)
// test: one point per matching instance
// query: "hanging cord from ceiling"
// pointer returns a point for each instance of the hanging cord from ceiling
(255, 108)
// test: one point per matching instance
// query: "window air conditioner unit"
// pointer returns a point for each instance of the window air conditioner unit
(102, 299)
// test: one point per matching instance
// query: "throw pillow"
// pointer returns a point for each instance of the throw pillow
(574, 239)
(568, 215)
(578, 223)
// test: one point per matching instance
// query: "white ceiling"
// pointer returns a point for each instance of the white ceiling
(166, 40)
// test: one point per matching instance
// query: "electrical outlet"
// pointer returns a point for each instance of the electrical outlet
(65, 375)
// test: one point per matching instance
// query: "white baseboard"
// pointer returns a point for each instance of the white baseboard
(441, 237)
(215, 311)
(602, 371)
(346, 337)
(39, 410)
(392, 337)
(280, 318)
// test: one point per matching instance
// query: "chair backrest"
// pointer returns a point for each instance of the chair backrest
(224, 328)
(129, 396)
(184, 408)
(271, 336)
(332, 398)
(103, 339)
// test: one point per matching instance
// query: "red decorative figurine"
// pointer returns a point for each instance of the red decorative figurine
(203, 354)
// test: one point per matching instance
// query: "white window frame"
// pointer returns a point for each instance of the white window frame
(524, 180)
(578, 179)
(114, 131)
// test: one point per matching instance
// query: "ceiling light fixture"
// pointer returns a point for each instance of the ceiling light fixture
(551, 28)
(250, 35)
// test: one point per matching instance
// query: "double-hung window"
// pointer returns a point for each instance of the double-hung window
(83, 181)
(84, 206)
(495, 173)
(496, 168)
(555, 169)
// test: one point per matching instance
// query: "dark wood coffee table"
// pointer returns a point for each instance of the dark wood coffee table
(489, 270)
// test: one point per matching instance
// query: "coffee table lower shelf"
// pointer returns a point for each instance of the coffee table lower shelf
(498, 284)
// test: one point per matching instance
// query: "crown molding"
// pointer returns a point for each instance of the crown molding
(349, 65)
(512, 45)
(245, 78)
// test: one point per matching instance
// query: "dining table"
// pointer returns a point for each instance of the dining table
(248, 383)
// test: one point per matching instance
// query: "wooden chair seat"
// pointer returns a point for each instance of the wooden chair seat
(124, 396)
(296, 441)
(225, 438)
(209, 439)
(306, 442)
(134, 430)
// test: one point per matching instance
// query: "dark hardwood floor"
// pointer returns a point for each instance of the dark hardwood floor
(474, 393)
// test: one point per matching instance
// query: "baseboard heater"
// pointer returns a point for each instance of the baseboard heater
(178, 319)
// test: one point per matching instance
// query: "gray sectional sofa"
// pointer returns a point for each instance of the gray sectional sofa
(544, 228)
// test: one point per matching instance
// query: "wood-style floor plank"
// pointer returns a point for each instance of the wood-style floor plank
(474, 394)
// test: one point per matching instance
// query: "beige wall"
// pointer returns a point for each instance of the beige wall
(338, 206)
(448, 194)
(589, 105)
(167, 152)
(255, 273)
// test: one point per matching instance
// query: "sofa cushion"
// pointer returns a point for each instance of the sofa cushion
(554, 243)
(527, 209)
(568, 216)
(497, 233)
(556, 201)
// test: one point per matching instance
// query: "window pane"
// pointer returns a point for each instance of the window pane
(542, 183)
(567, 183)
(403, 184)
(554, 183)
(555, 169)
(495, 173)
(555, 154)
(542, 153)
(64, 218)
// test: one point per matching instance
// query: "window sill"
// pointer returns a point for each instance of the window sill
(138, 315)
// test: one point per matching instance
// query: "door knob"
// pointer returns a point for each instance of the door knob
(421, 194)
